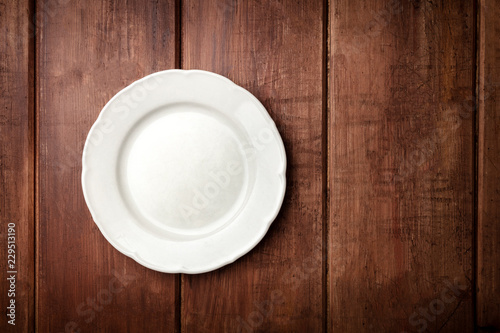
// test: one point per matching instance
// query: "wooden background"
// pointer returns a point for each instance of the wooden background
(388, 111)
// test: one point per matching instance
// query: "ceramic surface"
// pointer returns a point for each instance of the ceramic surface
(184, 171)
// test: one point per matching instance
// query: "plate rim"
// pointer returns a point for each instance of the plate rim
(232, 256)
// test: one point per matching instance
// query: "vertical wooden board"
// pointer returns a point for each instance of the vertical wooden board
(86, 53)
(488, 265)
(16, 166)
(273, 49)
(401, 168)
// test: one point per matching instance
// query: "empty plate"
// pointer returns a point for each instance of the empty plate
(184, 171)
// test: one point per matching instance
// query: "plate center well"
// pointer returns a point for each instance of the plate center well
(186, 170)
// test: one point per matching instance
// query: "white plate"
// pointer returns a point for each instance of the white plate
(184, 171)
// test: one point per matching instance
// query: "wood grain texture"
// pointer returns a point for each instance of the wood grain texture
(401, 137)
(273, 49)
(395, 149)
(488, 264)
(16, 162)
(87, 52)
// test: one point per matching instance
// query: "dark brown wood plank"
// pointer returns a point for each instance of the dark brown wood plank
(401, 171)
(273, 49)
(488, 265)
(16, 167)
(86, 53)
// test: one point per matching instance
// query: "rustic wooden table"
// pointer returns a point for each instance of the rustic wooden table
(389, 114)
